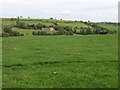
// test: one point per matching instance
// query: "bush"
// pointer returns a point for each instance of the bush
(7, 31)
(1, 35)
(22, 34)
(34, 33)
(5, 34)
(68, 28)
(62, 32)
(83, 32)
(88, 31)
(43, 33)
(33, 26)
(111, 32)
(15, 33)
(69, 33)
(40, 26)
(55, 33)
(40, 33)
(55, 23)
(75, 31)
(22, 25)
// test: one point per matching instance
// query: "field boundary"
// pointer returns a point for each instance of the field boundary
(54, 62)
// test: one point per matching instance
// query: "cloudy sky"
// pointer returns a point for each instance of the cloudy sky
(93, 10)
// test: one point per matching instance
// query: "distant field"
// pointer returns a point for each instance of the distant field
(79, 25)
(60, 61)
(109, 26)
(8, 23)
(47, 22)
(26, 32)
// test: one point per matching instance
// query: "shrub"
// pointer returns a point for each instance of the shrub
(40, 33)
(83, 32)
(22, 34)
(0, 34)
(33, 26)
(22, 25)
(34, 33)
(55, 33)
(88, 31)
(43, 33)
(62, 32)
(74, 31)
(69, 32)
(67, 28)
(8, 30)
(40, 26)
(5, 34)
(111, 32)
(15, 33)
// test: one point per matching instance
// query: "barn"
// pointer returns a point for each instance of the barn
(48, 29)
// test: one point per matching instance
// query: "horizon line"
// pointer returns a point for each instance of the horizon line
(59, 19)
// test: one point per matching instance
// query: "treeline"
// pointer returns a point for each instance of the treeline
(59, 30)
(93, 30)
(66, 30)
(97, 29)
(23, 25)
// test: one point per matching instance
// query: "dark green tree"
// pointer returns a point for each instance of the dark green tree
(22, 25)
(18, 21)
(83, 32)
(88, 31)
(34, 33)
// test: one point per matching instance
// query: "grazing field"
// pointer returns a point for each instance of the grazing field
(26, 32)
(47, 22)
(88, 61)
(109, 26)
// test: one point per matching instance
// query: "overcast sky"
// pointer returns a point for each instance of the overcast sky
(93, 10)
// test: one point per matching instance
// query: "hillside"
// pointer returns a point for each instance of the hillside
(48, 22)
(109, 26)
(76, 26)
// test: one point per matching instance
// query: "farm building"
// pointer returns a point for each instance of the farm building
(49, 29)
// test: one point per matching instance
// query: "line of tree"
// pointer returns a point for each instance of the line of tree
(44, 33)
(23, 25)
(98, 29)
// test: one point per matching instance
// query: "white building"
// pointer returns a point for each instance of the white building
(49, 29)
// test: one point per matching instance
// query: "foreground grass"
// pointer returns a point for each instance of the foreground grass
(60, 61)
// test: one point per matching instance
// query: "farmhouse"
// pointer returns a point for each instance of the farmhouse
(49, 29)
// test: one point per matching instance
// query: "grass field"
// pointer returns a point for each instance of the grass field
(26, 32)
(109, 26)
(88, 61)
(47, 22)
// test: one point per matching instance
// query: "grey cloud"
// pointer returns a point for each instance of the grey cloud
(95, 10)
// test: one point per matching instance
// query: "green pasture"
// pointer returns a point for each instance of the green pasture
(79, 61)
(109, 26)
